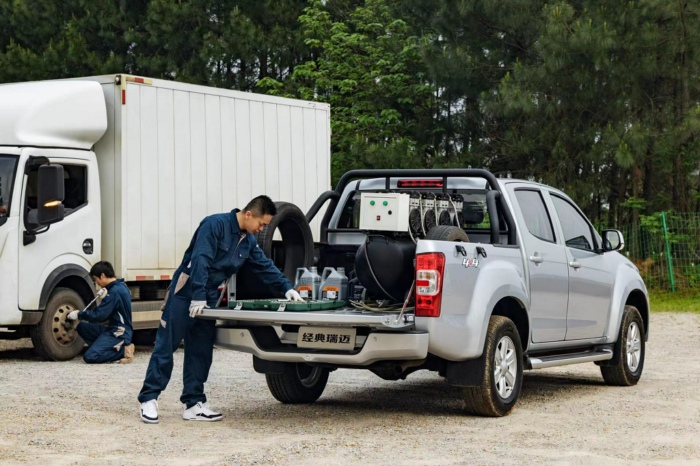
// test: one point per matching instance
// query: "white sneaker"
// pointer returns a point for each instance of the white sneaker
(201, 412)
(149, 412)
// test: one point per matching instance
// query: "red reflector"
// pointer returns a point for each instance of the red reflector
(430, 269)
(123, 96)
(138, 80)
(420, 184)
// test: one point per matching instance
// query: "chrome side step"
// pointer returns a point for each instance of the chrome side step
(541, 362)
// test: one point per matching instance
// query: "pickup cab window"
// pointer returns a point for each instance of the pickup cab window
(577, 230)
(8, 167)
(535, 214)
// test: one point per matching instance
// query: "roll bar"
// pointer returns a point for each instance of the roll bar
(493, 201)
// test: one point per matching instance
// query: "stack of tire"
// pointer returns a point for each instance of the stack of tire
(296, 249)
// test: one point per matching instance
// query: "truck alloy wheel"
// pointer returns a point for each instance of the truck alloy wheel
(505, 367)
(627, 364)
(299, 383)
(503, 372)
(54, 339)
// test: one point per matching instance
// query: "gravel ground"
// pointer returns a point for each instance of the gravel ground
(72, 413)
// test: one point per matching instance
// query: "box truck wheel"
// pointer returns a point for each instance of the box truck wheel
(299, 383)
(503, 374)
(51, 339)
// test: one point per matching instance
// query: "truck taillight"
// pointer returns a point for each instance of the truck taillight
(430, 269)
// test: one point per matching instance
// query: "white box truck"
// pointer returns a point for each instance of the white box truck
(143, 161)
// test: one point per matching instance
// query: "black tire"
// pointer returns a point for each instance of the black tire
(485, 400)
(52, 341)
(447, 233)
(300, 383)
(619, 370)
(295, 250)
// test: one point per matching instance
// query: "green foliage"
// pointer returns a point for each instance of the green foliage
(367, 67)
(599, 99)
(661, 301)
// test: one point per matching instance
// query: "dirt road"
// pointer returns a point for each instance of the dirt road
(72, 413)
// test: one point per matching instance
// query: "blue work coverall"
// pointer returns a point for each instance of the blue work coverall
(106, 344)
(218, 250)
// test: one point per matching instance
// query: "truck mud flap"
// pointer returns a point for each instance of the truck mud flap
(466, 373)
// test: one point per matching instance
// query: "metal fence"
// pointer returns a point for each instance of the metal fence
(666, 248)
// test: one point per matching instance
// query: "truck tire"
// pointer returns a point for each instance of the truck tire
(503, 373)
(447, 233)
(51, 340)
(296, 250)
(625, 368)
(299, 383)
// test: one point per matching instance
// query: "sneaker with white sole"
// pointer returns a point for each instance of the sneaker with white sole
(149, 412)
(201, 412)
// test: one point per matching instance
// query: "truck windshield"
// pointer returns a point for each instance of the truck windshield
(8, 166)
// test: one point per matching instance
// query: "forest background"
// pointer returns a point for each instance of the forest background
(598, 98)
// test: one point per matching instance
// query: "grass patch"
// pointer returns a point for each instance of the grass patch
(663, 301)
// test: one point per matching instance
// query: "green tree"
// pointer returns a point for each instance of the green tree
(367, 65)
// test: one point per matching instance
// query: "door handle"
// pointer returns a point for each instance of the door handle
(575, 265)
(537, 259)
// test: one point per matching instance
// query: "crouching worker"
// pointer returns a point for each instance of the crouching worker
(113, 342)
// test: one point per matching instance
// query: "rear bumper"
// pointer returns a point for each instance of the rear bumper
(377, 347)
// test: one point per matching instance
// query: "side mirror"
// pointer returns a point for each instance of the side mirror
(50, 194)
(612, 240)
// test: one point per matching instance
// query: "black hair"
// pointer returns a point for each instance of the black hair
(102, 267)
(261, 206)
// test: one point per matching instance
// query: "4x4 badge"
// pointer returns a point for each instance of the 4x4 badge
(470, 262)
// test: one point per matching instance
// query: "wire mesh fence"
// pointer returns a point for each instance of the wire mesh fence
(665, 246)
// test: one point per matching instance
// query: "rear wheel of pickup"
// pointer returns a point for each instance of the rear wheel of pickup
(299, 383)
(625, 368)
(503, 372)
(54, 338)
(447, 233)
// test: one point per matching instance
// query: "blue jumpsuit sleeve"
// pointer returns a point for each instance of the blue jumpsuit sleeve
(101, 313)
(203, 255)
(263, 266)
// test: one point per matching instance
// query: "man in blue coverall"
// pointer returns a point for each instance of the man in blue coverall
(220, 246)
(111, 343)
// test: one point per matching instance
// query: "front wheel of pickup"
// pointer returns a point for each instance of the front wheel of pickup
(299, 383)
(503, 373)
(625, 368)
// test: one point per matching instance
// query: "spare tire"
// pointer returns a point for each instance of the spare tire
(295, 250)
(447, 233)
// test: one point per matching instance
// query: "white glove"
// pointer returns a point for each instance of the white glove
(102, 293)
(293, 295)
(196, 307)
(72, 315)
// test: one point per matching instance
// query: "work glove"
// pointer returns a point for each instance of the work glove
(102, 292)
(293, 295)
(196, 308)
(72, 315)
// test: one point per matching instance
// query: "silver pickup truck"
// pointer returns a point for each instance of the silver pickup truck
(472, 276)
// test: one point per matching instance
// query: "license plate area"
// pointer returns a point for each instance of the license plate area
(336, 338)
